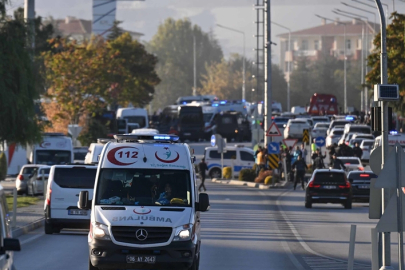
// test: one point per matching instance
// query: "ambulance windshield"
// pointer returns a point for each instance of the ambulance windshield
(144, 187)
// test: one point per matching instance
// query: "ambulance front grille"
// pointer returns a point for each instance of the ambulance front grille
(155, 235)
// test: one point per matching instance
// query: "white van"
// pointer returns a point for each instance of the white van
(238, 157)
(54, 149)
(134, 116)
(64, 184)
(392, 140)
(145, 212)
(94, 151)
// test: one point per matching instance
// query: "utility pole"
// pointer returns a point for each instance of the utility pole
(386, 236)
(195, 67)
(267, 74)
(29, 17)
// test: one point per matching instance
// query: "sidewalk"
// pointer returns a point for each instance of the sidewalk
(28, 218)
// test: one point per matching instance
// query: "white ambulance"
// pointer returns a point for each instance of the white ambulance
(393, 138)
(54, 149)
(145, 212)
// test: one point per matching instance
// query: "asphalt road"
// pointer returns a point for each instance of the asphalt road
(245, 229)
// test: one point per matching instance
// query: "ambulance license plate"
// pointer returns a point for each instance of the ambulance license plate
(141, 259)
(77, 212)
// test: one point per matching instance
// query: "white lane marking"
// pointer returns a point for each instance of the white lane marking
(298, 236)
(26, 241)
(285, 246)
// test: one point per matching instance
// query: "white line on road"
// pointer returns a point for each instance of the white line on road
(35, 237)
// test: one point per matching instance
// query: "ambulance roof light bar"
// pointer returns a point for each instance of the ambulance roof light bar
(147, 137)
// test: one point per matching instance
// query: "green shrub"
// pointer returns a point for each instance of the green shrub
(3, 166)
(227, 173)
(248, 175)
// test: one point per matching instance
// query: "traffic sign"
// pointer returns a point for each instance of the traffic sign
(213, 140)
(388, 221)
(305, 136)
(320, 141)
(387, 178)
(273, 161)
(290, 142)
(273, 131)
(273, 148)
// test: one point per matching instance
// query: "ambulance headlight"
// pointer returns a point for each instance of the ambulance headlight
(184, 233)
(100, 231)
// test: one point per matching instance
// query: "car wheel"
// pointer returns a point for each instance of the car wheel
(308, 205)
(348, 204)
(215, 173)
(196, 263)
(91, 267)
(48, 228)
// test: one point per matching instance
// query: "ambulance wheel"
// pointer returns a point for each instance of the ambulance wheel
(215, 173)
(91, 267)
(48, 228)
(196, 263)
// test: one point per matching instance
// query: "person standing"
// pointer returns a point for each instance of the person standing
(357, 150)
(313, 145)
(259, 150)
(261, 159)
(202, 168)
(288, 159)
(304, 152)
(299, 165)
(336, 163)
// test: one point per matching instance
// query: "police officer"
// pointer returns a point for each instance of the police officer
(299, 165)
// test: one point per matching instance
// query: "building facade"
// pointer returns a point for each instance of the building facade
(327, 39)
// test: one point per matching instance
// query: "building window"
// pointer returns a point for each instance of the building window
(348, 44)
(304, 45)
(316, 45)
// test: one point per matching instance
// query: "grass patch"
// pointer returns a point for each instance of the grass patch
(22, 201)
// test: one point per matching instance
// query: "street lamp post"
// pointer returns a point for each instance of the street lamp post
(364, 10)
(386, 11)
(244, 58)
(288, 66)
(29, 17)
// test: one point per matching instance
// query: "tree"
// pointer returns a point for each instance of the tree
(116, 31)
(396, 58)
(173, 45)
(83, 79)
(18, 120)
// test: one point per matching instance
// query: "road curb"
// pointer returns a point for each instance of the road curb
(28, 228)
(249, 184)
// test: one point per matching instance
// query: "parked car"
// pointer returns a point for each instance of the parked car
(36, 181)
(366, 146)
(328, 186)
(295, 128)
(7, 244)
(320, 129)
(334, 136)
(352, 163)
(360, 182)
(22, 178)
(238, 157)
(60, 206)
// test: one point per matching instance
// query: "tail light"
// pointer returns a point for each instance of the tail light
(347, 185)
(347, 143)
(312, 185)
(360, 168)
(20, 177)
(48, 197)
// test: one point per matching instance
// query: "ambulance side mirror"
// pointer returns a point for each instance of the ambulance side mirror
(204, 203)
(84, 202)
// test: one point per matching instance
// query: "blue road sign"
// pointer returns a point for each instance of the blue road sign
(213, 141)
(320, 141)
(273, 148)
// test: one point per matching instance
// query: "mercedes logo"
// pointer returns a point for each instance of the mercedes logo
(141, 234)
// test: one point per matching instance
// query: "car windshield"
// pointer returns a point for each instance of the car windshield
(337, 132)
(329, 177)
(140, 120)
(191, 118)
(80, 155)
(144, 187)
(76, 177)
(350, 161)
(53, 157)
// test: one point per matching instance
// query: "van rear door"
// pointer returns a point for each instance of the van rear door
(65, 189)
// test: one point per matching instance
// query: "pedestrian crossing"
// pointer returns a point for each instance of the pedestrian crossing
(321, 263)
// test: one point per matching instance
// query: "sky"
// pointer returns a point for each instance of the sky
(145, 17)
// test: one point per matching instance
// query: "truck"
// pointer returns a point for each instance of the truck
(323, 104)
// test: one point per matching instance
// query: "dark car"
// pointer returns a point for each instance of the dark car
(360, 182)
(328, 186)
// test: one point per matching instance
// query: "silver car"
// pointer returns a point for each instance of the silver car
(22, 178)
(37, 181)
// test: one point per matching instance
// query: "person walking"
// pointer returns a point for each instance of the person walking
(357, 150)
(288, 160)
(336, 163)
(202, 168)
(299, 166)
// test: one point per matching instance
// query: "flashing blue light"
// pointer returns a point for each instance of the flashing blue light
(222, 102)
(165, 138)
(394, 132)
(349, 118)
(215, 105)
(243, 100)
(184, 103)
